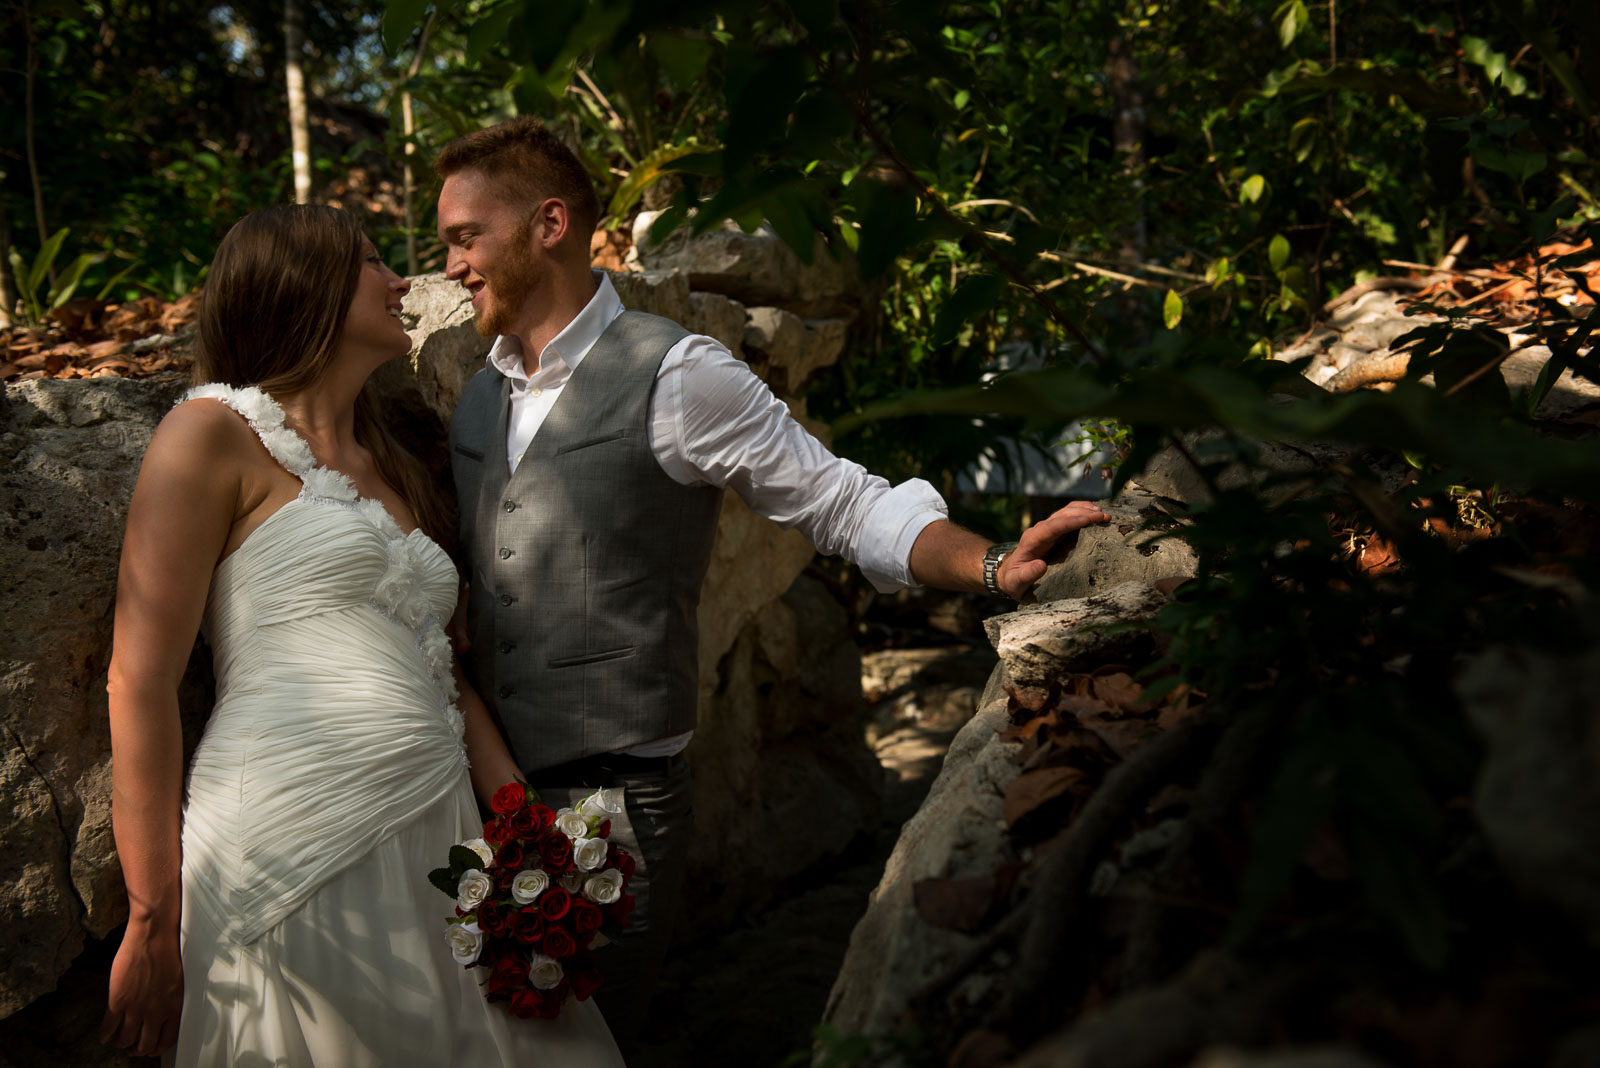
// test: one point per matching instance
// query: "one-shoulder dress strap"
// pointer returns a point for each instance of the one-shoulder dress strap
(265, 417)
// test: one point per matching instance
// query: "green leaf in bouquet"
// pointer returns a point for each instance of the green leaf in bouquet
(462, 859)
(446, 882)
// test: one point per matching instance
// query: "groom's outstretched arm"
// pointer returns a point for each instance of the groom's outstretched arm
(951, 557)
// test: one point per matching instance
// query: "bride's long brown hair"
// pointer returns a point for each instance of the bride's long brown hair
(270, 316)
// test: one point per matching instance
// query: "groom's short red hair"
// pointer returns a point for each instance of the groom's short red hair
(530, 162)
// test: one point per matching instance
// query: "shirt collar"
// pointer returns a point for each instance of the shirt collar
(574, 341)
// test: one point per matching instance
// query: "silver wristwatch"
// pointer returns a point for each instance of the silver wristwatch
(993, 557)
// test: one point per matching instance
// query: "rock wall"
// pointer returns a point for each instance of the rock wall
(780, 702)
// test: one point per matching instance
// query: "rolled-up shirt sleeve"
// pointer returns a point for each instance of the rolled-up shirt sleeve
(714, 422)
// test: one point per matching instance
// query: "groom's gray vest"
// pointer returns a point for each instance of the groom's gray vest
(586, 564)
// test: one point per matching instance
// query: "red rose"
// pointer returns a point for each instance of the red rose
(530, 924)
(620, 859)
(558, 943)
(554, 903)
(509, 856)
(553, 998)
(585, 982)
(498, 831)
(507, 799)
(545, 815)
(493, 918)
(556, 850)
(619, 912)
(525, 823)
(526, 1004)
(604, 830)
(586, 916)
(508, 976)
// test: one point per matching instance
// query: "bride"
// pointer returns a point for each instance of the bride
(281, 913)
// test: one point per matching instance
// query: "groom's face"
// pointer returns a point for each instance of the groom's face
(491, 250)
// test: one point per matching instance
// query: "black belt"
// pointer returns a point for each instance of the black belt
(603, 769)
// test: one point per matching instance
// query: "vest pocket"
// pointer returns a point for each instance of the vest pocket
(584, 444)
(593, 658)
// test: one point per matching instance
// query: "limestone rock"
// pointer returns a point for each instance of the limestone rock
(69, 453)
(447, 349)
(776, 334)
(1539, 785)
(1041, 642)
(958, 832)
(1116, 552)
(664, 293)
(753, 268)
(717, 316)
(782, 779)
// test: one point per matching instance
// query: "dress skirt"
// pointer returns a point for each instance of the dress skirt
(360, 975)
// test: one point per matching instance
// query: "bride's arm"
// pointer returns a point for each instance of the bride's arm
(183, 507)
(492, 764)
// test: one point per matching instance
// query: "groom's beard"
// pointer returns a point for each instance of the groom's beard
(512, 286)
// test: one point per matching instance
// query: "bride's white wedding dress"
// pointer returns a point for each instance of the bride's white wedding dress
(330, 778)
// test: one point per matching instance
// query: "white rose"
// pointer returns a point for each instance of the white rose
(572, 882)
(601, 804)
(589, 853)
(528, 885)
(465, 940)
(605, 888)
(472, 889)
(544, 972)
(569, 823)
(484, 850)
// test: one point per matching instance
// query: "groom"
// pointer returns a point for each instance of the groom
(590, 455)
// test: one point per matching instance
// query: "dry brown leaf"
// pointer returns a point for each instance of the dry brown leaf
(982, 1049)
(1120, 692)
(964, 904)
(1377, 557)
(102, 349)
(1034, 788)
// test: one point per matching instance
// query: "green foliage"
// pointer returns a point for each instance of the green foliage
(35, 299)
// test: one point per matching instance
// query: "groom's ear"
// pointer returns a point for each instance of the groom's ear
(552, 222)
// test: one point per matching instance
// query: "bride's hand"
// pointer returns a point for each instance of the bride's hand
(146, 996)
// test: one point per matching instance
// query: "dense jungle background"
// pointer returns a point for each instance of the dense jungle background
(1084, 223)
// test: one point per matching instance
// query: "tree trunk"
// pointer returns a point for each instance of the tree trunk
(8, 289)
(1127, 135)
(299, 126)
(32, 65)
(409, 127)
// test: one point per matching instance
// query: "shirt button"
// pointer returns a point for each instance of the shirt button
(506, 599)
(506, 691)
(511, 506)
(506, 647)
(505, 554)
(535, 392)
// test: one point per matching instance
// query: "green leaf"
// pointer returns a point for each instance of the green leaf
(1172, 309)
(1278, 252)
(683, 59)
(1401, 891)
(400, 17)
(67, 281)
(447, 884)
(1291, 17)
(1303, 137)
(973, 297)
(41, 262)
(463, 859)
(489, 31)
(1251, 190)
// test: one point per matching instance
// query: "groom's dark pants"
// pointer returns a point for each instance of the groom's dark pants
(655, 830)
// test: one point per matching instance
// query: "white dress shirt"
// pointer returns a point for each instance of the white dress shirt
(713, 422)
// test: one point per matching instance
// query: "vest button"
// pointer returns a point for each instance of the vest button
(506, 647)
(505, 554)
(511, 506)
(506, 691)
(506, 599)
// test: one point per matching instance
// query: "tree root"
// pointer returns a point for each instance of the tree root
(1231, 771)
(1060, 882)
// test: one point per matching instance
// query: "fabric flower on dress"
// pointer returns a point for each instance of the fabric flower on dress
(326, 482)
(437, 652)
(400, 591)
(256, 405)
(372, 510)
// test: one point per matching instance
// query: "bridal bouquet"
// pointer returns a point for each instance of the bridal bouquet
(535, 895)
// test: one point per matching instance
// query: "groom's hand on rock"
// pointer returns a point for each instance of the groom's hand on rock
(1026, 564)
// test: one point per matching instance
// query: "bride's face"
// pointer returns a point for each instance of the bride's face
(372, 323)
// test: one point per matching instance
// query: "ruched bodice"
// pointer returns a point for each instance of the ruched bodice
(335, 720)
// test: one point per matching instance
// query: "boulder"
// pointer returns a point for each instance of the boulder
(664, 293)
(1042, 642)
(1539, 784)
(717, 316)
(753, 268)
(1121, 550)
(70, 453)
(787, 350)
